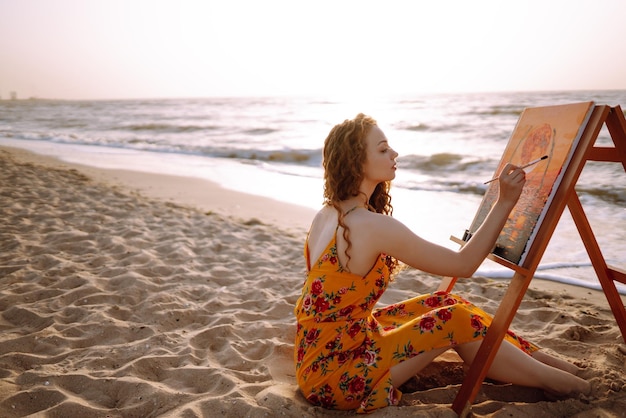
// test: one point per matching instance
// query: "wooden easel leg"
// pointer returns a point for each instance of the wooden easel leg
(598, 262)
(488, 349)
(616, 124)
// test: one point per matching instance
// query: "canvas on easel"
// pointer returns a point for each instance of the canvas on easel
(552, 131)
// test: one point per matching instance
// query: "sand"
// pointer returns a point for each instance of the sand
(127, 294)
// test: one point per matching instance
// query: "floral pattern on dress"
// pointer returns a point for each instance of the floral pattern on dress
(345, 346)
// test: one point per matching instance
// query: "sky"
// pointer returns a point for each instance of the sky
(110, 49)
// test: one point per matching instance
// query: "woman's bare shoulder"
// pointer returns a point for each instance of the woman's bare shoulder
(324, 216)
(373, 220)
(382, 231)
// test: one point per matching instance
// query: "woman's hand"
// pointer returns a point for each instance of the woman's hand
(511, 181)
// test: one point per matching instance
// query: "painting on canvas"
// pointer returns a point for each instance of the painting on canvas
(553, 131)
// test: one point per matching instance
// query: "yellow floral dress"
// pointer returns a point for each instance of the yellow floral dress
(345, 347)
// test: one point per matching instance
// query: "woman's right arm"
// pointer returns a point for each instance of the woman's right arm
(397, 240)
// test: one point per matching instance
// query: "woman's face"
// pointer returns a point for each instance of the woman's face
(380, 161)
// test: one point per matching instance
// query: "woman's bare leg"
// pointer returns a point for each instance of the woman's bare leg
(402, 372)
(546, 358)
(512, 365)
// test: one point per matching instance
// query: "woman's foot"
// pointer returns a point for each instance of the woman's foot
(567, 385)
(555, 396)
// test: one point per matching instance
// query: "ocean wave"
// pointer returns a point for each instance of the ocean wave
(259, 131)
(439, 161)
(437, 185)
(71, 124)
(417, 128)
(307, 157)
(499, 111)
(614, 196)
(164, 127)
(425, 127)
(159, 127)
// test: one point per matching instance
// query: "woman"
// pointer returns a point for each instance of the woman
(350, 355)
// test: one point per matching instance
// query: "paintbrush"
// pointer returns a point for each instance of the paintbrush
(522, 167)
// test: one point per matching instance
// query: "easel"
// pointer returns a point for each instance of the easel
(565, 195)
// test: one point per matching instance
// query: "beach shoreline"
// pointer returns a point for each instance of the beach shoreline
(195, 192)
(137, 294)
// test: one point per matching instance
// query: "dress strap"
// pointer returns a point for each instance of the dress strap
(346, 214)
(307, 255)
(350, 210)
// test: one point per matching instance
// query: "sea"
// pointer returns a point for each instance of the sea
(448, 145)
